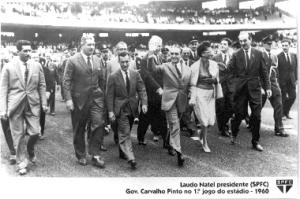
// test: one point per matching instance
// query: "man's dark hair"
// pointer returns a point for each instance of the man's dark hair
(228, 40)
(21, 43)
(203, 47)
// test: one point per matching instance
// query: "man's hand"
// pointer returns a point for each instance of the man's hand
(45, 108)
(269, 93)
(47, 95)
(262, 91)
(144, 109)
(159, 91)
(4, 116)
(70, 105)
(111, 116)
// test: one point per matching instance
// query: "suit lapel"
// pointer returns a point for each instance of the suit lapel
(30, 71)
(19, 71)
(173, 70)
(242, 54)
(131, 82)
(252, 57)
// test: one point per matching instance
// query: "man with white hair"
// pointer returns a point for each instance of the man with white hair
(248, 65)
(84, 94)
(153, 83)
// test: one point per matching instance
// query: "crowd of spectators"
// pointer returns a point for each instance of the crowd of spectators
(151, 13)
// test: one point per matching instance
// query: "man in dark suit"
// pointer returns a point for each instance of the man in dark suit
(287, 68)
(122, 104)
(51, 77)
(248, 65)
(223, 105)
(155, 116)
(84, 94)
(275, 99)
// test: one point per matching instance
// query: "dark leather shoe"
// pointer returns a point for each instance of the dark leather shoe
(281, 134)
(82, 161)
(258, 147)
(103, 148)
(166, 145)
(32, 159)
(171, 151)
(132, 164)
(233, 140)
(12, 159)
(225, 133)
(116, 139)
(98, 162)
(143, 143)
(180, 159)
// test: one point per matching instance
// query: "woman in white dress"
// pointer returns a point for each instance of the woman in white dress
(204, 90)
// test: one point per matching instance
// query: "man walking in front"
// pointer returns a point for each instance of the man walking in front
(122, 104)
(248, 65)
(22, 91)
(84, 94)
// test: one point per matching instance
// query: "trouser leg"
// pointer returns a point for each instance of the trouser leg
(174, 127)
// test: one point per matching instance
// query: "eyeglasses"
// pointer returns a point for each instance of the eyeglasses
(174, 53)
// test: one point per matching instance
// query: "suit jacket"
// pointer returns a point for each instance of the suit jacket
(175, 88)
(253, 75)
(287, 72)
(14, 90)
(153, 79)
(117, 96)
(271, 63)
(219, 59)
(82, 84)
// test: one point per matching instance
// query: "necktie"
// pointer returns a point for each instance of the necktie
(288, 58)
(26, 73)
(247, 59)
(177, 70)
(89, 63)
(225, 59)
(127, 82)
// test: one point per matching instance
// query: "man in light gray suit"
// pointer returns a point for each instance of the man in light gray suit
(176, 81)
(22, 91)
(122, 104)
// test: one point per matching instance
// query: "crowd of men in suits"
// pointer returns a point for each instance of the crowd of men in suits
(111, 93)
